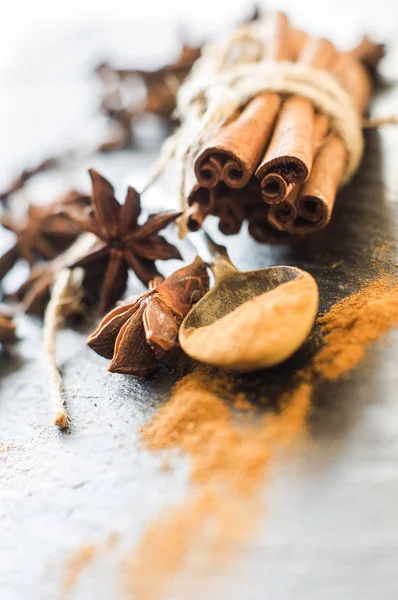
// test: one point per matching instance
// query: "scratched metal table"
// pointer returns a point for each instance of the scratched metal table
(331, 528)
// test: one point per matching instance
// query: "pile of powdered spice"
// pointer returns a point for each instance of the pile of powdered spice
(233, 450)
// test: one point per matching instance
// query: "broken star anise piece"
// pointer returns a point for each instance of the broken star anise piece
(121, 94)
(7, 328)
(34, 293)
(44, 233)
(138, 334)
(123, 242)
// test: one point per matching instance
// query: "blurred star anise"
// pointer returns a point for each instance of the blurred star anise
(34, 293)
(138, 334)
(123, 243)
(44, 233)
(161, 87)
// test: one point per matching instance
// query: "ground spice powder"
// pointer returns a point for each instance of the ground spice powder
(230, 460)
(80, 560)
(232, 457)
(352, 324)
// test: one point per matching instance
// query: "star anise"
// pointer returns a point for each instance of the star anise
(120, 101)
(7, 328)
(138, 334)
(123, 243)
(34, 293)
(44, 233)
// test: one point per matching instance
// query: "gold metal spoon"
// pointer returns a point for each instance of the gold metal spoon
(249, 320)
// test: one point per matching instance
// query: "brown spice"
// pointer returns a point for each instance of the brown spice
(231, 459)
(123, 244)
(229, 464)
(352, 324)
(76, 564)
(83, 557)
(138, 334)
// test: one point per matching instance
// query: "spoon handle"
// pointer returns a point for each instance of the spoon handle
(216, 255)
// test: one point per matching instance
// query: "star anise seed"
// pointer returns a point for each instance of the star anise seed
(136, 335)
(123, 243)
(45, 232)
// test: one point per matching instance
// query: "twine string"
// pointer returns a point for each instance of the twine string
(66, 297)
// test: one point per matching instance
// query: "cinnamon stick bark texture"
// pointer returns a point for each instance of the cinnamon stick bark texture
(251, 114)
(317, 196)
(290, 149)
(233, 154)
(283, 215)
(289, 157)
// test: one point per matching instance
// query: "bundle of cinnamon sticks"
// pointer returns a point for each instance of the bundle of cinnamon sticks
(277, 163)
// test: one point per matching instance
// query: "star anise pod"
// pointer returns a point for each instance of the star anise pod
(44, 233)
(120, 102)
(138, 334)
(7, 328)
(123, 242)
(179, 67)
(34, 293)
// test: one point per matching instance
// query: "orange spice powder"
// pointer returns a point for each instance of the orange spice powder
(354, 323)
(230, 461)
(83, 556)
(231, 458)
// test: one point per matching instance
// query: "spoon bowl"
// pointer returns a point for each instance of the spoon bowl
(250, 320)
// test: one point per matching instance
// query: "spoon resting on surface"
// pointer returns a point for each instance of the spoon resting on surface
(249, 320)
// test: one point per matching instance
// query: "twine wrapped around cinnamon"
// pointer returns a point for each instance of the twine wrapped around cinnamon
(271, 105)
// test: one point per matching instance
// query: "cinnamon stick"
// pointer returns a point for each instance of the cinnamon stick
(283, 215)
(233, 154)
(282, 143)
(317, 197)
(355, 78)
(369, 53)
(262, 231)
(195, 215)
(230, 208)
(289, 156)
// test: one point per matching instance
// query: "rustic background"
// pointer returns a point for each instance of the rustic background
(331, 529)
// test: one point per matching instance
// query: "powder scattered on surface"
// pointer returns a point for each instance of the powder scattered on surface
(231, 458)
(230, 462)
(76, 564)
(82, 558)
(354, 323)
(112, 541)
